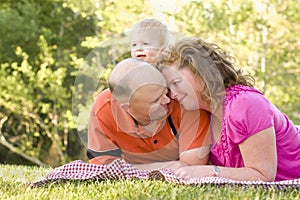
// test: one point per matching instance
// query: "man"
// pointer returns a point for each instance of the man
(135, 120)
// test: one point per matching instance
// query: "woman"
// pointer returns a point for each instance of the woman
(252, 139)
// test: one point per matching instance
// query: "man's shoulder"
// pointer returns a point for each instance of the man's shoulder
(174, 106)
(103, 100)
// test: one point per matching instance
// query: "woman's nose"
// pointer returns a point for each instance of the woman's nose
(173, 94)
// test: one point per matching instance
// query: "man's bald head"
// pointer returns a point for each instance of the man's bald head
(131, 74)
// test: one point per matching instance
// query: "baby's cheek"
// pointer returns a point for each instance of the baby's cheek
(133, 54)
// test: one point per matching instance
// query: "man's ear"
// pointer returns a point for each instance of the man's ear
(125, 106)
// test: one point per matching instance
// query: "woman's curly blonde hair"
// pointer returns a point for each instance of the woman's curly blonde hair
(210, 63)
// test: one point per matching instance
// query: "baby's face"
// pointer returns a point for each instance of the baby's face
(146, 45)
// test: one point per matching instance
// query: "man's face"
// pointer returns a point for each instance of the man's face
(146, 46)
(149, 103)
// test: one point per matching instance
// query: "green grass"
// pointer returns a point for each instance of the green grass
(13, 185)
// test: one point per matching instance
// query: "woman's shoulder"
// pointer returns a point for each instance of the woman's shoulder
(243, 94)
(246, 100)
(247, 111)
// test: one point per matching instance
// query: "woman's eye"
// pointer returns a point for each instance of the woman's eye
(175, 83)
(133, 45)
(146, 43)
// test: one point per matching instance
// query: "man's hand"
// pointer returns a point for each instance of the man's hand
(173, 165)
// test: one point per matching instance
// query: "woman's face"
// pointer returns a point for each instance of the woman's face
(185, 87)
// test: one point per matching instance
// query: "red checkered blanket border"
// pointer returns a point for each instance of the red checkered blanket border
(119, 169)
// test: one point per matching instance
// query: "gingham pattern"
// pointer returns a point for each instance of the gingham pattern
(119, 169)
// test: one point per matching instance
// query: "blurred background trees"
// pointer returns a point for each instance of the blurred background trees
(45, 44)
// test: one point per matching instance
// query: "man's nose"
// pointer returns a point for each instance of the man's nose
(165, 100)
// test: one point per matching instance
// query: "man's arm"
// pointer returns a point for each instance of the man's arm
(100, 150)
(195, 137)
(101, 158)
(187, 158)
(197, 156)
(173, 165)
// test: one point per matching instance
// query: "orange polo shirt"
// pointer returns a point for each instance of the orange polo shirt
(113, 134)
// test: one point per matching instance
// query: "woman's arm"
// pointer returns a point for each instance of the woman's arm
(260, 155)
(260, 160)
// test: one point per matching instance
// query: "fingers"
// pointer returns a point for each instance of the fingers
(183, 173)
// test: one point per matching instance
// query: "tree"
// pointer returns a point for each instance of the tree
(48, 45)
(41, 51)
(262, 35)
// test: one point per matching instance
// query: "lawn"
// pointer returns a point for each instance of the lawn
(13, 185)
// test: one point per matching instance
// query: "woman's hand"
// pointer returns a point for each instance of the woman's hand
(188, 172)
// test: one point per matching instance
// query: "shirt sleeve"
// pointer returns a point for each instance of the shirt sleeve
(247, 114)
(194, 130)
(101, 150)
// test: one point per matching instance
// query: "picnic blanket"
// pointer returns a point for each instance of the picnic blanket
(119, 169)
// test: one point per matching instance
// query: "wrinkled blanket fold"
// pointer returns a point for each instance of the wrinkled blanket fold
(119, 169)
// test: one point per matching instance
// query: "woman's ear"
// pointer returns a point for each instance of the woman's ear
(162, 51)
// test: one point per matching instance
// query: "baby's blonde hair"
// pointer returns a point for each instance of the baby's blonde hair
(153, 25)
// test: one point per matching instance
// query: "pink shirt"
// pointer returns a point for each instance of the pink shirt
(245, 112)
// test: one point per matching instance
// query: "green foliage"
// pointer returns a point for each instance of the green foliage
(37, 74)
(29, 97)
(43, 46)
(13, 181)
(262, 35)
